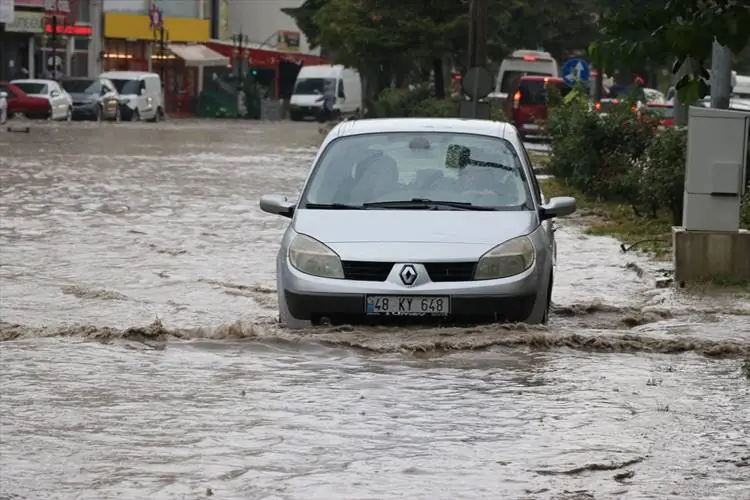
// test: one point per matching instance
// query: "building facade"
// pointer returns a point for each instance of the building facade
(46, 36)
(264, 23)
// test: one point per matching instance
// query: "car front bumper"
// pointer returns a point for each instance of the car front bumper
(84, 111)
(340, 301)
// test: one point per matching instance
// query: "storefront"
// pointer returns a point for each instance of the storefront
(19, 43)
(273, 69)
(131, 44)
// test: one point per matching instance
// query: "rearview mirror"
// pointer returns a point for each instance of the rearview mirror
(277, 204)
(558, 207)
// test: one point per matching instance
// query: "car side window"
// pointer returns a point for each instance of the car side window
(342, 95)
(536, 190)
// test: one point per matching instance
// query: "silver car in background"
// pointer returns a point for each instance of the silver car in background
(438, 220)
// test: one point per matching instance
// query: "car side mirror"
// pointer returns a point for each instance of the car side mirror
(4, 95)
(558, 207)
(277, 205)
(143, 91)
(54, 93)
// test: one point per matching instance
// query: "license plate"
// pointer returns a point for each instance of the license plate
(408, 305)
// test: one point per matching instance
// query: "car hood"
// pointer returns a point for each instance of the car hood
(405, 234)
(306, 100)
(83, 97)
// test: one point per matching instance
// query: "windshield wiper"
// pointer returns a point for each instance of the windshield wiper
(333, 206)
(427, 204)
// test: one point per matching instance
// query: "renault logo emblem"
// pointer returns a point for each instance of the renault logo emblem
(408, 274)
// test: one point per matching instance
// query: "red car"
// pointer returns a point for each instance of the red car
(19, 103)
(529, 105)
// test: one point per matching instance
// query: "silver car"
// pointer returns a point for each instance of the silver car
(408, 219)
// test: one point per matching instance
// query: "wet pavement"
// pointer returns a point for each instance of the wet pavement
(142, 359)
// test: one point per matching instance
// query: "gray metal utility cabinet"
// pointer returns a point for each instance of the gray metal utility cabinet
(710, 244)
(715, 173)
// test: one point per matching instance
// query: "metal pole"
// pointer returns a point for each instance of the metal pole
(472, 50)
(162, 51)
(721, 76)
(480, 41)
(54, 46)
(242, 60)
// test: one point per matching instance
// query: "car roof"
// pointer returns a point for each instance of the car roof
(33, 80)
(455, 125)
(541, 78)
(128, 74)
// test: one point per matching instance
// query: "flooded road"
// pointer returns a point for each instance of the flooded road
(142, 359)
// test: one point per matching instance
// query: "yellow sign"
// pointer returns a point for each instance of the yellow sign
(287, 41)
(176, 29)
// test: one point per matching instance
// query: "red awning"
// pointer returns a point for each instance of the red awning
(265, 57)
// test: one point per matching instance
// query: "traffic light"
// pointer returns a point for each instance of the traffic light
(254, 72)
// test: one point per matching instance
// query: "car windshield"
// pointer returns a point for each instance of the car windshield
(536, 91)
(127, 87)
(511, 79)
(81, 86)
(661, 111)
(312, 86)
(424, 169)
(33, 87)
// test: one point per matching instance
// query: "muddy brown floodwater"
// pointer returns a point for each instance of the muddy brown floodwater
(141, 357)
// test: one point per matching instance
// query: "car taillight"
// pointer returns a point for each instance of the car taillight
(529, 58)
(517, 99)
(598, 106)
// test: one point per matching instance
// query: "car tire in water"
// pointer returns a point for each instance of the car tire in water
(135, 115)
(69, 115)
(118, 115)
(540, 313)
(295, 117)
(98, 114)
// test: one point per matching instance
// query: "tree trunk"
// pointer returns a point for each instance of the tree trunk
(437, 70)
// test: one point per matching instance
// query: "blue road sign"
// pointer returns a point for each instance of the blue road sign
(575, 71)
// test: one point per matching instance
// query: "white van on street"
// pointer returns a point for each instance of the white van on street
(142, 93)
(308, 91)
(523, 63)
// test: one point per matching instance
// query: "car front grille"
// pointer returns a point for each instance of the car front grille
(366, 271)
(439, 272)
(450, 271)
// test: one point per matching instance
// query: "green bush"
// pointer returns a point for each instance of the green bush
(597, 153)
(620, 158)
(419, 102)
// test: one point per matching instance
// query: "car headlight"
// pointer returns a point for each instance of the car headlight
(310, 256)
(507, 259)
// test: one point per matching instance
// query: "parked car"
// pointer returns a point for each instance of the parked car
(530, 100)
(93, 98)
(428, 219)
(141, 94)
(3, 107)
(663, 112)
(60, 102)
(20, 104)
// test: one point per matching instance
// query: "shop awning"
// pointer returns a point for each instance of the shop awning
(198, 55)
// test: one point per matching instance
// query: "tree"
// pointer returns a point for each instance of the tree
(304, 17)
(682, 31)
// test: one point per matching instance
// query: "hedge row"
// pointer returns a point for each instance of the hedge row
(418, 102)
(621, 157)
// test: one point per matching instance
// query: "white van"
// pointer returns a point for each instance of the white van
(523, 63)
(308, 89)
(141, 92)
(741, 88)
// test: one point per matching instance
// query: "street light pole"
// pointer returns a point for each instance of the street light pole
(239, 45)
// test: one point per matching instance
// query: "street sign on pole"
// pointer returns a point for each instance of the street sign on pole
(576, 71)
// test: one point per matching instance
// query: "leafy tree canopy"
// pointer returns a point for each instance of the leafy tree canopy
(677, 31)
